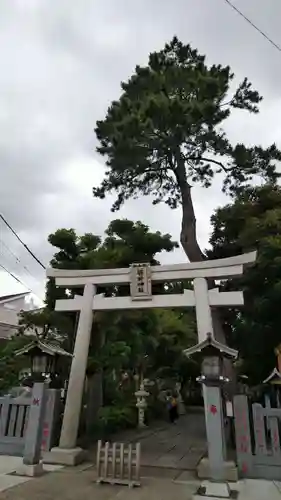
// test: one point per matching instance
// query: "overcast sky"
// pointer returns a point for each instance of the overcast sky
(61, 65)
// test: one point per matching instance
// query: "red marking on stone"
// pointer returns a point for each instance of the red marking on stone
(45, 432)
(35, 401)
(244, 468)
(213, 409)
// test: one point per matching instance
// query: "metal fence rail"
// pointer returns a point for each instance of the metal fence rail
(118, 463)
(257, 432)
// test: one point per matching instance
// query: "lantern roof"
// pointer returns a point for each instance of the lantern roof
(46, 348)
(209, 345)
(274, 377)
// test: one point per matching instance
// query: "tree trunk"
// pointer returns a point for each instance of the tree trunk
(95, 387)
(193, 251)
(188, 227)
(94, 399)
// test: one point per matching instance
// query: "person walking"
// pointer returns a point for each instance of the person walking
(173, 408)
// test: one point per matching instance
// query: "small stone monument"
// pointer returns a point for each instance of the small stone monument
(141, 404)
(181, 407)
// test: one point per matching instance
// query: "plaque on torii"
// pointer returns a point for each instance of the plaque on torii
(140, 281)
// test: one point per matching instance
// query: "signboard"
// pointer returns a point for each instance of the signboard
(140, 283)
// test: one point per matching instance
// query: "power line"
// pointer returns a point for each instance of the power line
(15, 277)
(20, 240)
(21, 282)
(18, 261)
(278, 47)
(16, 257)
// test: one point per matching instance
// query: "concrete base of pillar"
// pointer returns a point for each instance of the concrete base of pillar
(230, 470)
(210, 490)
(33, 470)
(64, 456)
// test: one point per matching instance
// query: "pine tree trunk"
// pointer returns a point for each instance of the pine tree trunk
(193, 251)
(188, 227)
(94, 400)
(95, 386)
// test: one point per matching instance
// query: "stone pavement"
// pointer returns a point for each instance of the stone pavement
(169, 450)
(8, 465)
(79, 482)
(76, 483)
(170, 454)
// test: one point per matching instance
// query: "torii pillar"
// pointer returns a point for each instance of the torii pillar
(68, 453)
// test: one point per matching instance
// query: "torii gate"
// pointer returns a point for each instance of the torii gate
(140, 278)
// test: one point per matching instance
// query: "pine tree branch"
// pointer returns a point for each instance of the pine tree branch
(208, 160)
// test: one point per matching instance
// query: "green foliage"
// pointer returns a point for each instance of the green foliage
(253, 221)
(125, 242)
(128, 334)
(149, 341)
(165, 132)
(113, 418)
(44, 324)
(10, 366)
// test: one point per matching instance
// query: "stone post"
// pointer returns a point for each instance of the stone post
(205, 325)
(203, 310)
(32, 465)
(213, 413)
(67, 453)
(215, 468)
(51, 419)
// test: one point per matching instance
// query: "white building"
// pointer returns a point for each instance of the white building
(10, 307)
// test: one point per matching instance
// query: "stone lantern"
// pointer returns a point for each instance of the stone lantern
(141, 404)
(45, 360)
(273, 383)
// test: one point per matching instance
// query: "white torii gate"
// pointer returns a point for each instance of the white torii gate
(140, 277)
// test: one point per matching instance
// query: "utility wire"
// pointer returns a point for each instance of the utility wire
(20, 240)
(15, 277)
(18, 261)
(16, 257)
(278, 47)
(21, 282)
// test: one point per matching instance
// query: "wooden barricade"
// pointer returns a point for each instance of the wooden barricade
(118, 463)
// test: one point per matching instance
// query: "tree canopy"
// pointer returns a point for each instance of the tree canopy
(164, 134)
(125, 242)
(120, 340)
(253, 221)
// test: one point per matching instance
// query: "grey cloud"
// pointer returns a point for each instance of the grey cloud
(61, 65)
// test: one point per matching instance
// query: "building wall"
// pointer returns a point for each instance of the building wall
(14, 305)
(9, 316)
(7, 331)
